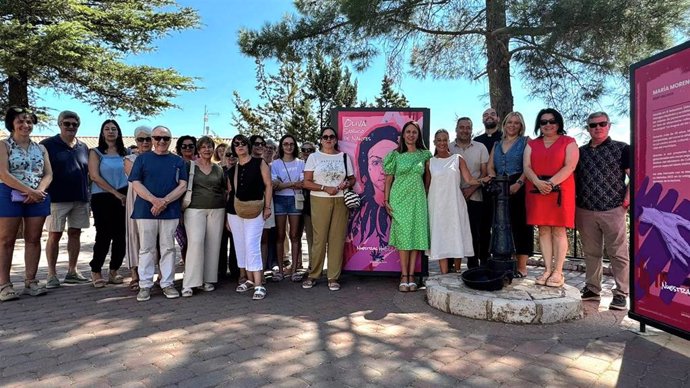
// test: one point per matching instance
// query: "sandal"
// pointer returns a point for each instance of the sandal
(403, 286)
(187, 292)
(134, 285)
(519, 275)
(309, 283)
(297, 277)
(117, 279)
(259, 293)
(8, 293)
(33, 288)
(333, 285)
(246, 286)
(277, 276)
(541, 279)
(412, 285)
(555, 280)
(99, 283)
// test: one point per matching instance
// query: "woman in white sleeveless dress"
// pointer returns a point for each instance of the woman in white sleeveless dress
(448, 220)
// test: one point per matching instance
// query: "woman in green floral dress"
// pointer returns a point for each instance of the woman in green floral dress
(405, 196)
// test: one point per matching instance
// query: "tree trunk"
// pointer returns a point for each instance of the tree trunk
(498, 59)
(19, 89)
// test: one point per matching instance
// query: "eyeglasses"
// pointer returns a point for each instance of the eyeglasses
(239, 144)
(544, 122)
(187, 146)
(307, 150)
(144, 139)
(161, 138)
(328, 137)
(259, 144)
(601, 124)
(70, 124)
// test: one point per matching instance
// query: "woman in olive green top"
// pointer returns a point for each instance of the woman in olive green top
(204, 221)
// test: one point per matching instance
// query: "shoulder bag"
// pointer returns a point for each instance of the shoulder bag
(352, 199)
(246, 209)
(299, 197)
(188, 194)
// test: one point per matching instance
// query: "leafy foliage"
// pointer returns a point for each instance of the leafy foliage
(571, 53)
(389, 98)
(78, 48)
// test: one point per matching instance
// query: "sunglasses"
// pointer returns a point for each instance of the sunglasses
(328, 137)
(259, 144)
(144, 139)
(239, 144)
(69, 124)
(544, 122)
(307, 150)
(601, 124)
(161, 138)
(228, 154)
(187, 146)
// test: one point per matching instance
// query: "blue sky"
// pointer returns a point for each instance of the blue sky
(211, 54)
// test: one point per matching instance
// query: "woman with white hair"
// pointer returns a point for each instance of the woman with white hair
(142, 136)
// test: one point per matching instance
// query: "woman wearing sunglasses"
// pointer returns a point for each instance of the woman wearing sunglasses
(142, 136)
(249, 180)
(549, 162)
(25, 175)
(108, 199)
(326, 176)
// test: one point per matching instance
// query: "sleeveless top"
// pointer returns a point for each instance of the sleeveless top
(509, 163)
(112, 169)
(249, 181)
(26, 165)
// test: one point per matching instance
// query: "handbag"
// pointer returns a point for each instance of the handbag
(299, 197)
(246, 209)
(352, 199)
(188, 194)
(554, 189)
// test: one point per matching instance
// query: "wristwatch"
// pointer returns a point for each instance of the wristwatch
(520, 182)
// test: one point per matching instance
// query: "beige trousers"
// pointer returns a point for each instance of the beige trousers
(329, 222)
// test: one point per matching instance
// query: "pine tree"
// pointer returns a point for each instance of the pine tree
(389, 98)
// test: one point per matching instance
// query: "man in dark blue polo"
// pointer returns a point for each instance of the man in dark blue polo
(69, 196)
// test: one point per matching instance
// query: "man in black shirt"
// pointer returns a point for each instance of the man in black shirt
(602, 202)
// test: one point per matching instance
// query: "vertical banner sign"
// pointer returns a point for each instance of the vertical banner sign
(368, 135)
(660, 227)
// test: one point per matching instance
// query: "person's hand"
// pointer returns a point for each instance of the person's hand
(342, 185)
(514, 188)
(35, 196)
(227, 225)
(467, 192)
(158, 202)
(122, 198)
(331, 190)
(543, 187)
(626, 203)
(298, 184)
(486, 179)
(267, 213)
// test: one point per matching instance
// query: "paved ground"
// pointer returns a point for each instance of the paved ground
(367, 334)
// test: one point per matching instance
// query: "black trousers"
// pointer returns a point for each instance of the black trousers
(227, 261)
(109, 220)
(475, 211)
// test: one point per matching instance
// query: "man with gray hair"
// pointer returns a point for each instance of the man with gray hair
(602, 202)
(69, 196)
(159, 179)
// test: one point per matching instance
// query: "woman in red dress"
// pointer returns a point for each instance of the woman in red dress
(549, 162)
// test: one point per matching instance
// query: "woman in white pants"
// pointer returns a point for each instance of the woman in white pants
(249, 180)
(204, 221)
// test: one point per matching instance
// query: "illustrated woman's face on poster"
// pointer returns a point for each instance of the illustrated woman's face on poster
(375, 162)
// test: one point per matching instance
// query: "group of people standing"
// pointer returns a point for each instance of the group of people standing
(143, 201)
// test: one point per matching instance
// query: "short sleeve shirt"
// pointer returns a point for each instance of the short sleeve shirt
(292, 171)
(70, 167)
(160, 174)
(475, 155)
(329, 170)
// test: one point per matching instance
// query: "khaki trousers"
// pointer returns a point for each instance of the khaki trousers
(601, 230)
(204, 231)
(329, 222)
